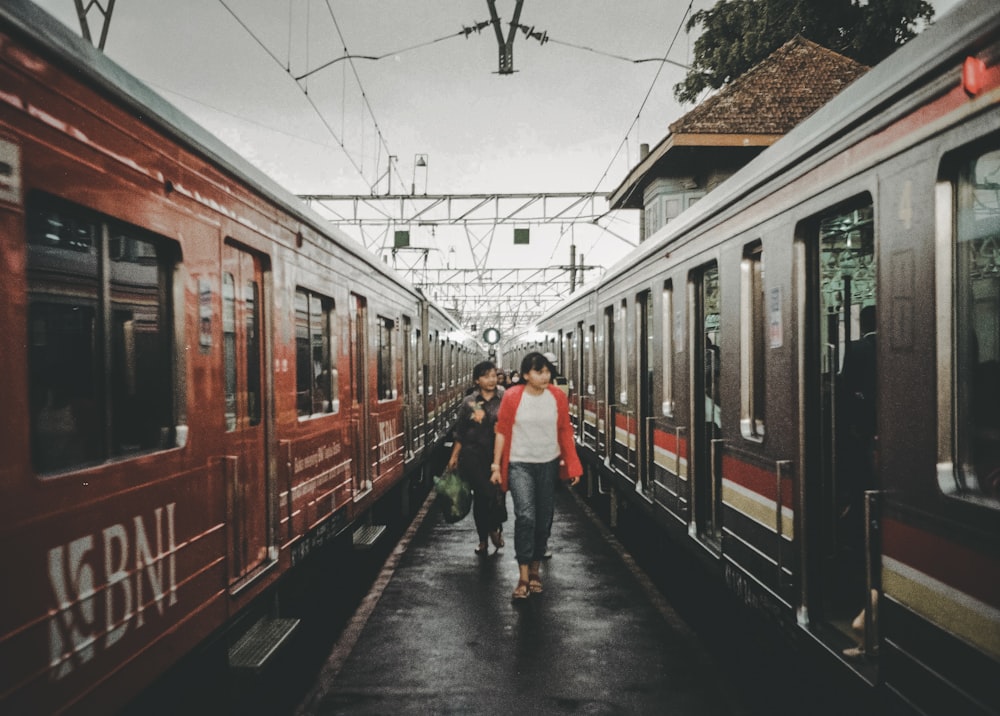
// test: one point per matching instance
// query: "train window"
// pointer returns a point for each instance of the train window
(752, 341)
(621, 373)
(229, 347)
(710, 305)
(439, 370)
(316, 380)
(100, 355)
(417, 345)
(251, 318)
(589, 352)
(359, 337)
(386, 366)
(976, 316)
(667, 348)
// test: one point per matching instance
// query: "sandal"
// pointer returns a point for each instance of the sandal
(497, 538)
(520, 591)
(534, 584)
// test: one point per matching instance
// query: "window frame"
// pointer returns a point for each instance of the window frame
(117, 260)
(753, 343)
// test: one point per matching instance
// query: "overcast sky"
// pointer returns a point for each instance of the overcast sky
(567, 119)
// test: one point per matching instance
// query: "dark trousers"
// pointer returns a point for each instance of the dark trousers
(474, 468)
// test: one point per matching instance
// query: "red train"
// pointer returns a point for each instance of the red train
(202, 381)
(711, 391)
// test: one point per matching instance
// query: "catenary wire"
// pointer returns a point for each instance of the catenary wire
(638, 114)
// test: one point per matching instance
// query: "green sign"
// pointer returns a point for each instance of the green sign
(491, 336)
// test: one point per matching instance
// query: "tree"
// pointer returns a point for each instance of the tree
(737, 34)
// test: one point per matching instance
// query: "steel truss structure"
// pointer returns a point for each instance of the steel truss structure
(481, 296)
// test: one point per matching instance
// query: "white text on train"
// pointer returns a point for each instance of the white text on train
(113, 576)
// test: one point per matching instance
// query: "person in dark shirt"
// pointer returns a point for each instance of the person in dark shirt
(472, 454)
(856, 436)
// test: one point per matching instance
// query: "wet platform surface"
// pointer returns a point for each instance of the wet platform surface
(439, 634)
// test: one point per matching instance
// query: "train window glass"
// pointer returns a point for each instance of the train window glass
(251, 317)
(622, 373)
(386, 372)
(418, 361)
(359, 336)
(667, 348)
(316, 380)
(569, 370)
(752, 341)
(590, 351)
(440, 365)
(229, 347)
(406, 343)
(977, 331)
(712, 326)
(329, 308)
(100, 351)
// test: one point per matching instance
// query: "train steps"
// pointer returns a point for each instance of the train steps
(261, 642)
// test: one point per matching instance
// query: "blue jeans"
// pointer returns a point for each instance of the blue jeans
(533, 487)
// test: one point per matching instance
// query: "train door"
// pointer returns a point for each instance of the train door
(840, 408)
(359, 411)
(706, 405)
(644, 390)
(249, 492)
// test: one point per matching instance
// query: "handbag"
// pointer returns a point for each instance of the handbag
(454, 496)
(499, 507)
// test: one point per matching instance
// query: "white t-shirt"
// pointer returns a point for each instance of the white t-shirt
(534, 438)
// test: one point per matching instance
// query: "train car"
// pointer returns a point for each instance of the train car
(799, 376)
(203, 383)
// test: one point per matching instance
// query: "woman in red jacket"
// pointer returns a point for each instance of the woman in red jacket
(534, 439)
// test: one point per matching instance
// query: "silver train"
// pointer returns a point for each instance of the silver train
(799, 378)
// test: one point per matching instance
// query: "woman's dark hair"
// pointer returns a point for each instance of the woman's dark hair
(482, 369)
(536, 361)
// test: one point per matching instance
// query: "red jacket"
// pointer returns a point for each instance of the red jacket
(570, 466)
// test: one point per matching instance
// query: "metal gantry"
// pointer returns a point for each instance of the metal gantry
(105, 12)
(482, 295)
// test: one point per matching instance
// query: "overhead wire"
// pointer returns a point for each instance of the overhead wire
(611, 54)
(305, 91)
(635, 121)
(364, 95)
(319, 114)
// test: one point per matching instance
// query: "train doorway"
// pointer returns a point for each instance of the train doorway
(706, 367)
(840, 412)
(249, 493)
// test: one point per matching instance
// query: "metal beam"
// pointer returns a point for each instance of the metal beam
(480, 296)
(81, 13)
(472, 209)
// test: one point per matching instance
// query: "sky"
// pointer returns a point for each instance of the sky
(571, 117)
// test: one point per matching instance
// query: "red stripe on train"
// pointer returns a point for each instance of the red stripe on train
(756, 479)
(968, 570)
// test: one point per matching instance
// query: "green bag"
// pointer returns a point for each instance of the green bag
(454, 496)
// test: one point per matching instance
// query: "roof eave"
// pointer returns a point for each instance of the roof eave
(628, 194)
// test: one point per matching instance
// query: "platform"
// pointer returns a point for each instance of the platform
(439, 634)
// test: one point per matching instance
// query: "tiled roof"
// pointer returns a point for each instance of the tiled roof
(775, 95)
